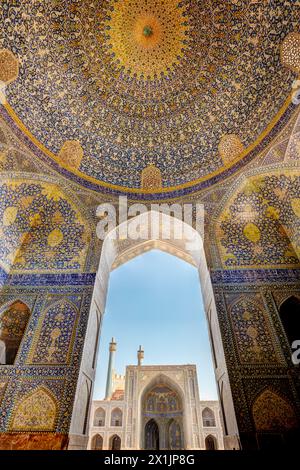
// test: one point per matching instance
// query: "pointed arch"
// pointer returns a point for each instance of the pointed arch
(174, 435)
(287, 296)
(163, 379)
(151, 437)
(289, 312)
(253, 330)
(97, 442)
(8, 304)
(116, 417)
(115, 442)
(99, 417)
(211, 443)
(242, 298)
(272, 412)
(208, 417)
(162, 245)
(36, 411)
(14, 318)
(162, 402)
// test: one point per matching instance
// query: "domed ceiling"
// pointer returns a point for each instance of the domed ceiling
(117, 85)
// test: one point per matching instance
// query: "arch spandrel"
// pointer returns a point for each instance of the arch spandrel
(43, 228)
(260, 212)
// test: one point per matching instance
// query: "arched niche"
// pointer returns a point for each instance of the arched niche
(99, 417)
(116, 417)
(97, 442)
(208, 417)
(151, 437)
(272, 413)
(115, 442)
(36, 411)
(13, 322)
(174, 434)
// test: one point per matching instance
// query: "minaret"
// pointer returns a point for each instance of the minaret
(140, 356)
(112, 350)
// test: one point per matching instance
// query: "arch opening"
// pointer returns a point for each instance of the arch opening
(151, 435)
(275, 420)
(13, 322)
(211, 443)
(289, 312)
(116, 251)
(97, 442)
(115, 442)
(116, 417)
(99, 418)
(175, 438)
(208, 417)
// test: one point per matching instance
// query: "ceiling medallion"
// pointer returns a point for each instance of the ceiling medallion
(147, 31)
(147, 39)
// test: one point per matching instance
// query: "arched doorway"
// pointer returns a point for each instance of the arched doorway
(117, 249)
(151, 435)
(162, 405)
(174, 436)
(115, 443)
(99, 417)
(290, 317)
(97, 442)
(210, 443)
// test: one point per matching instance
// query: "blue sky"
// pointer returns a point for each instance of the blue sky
(155, 300)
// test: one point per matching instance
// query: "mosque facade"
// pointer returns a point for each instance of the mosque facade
(154, 408)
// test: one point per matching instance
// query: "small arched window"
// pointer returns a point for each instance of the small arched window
(99, 417)
(208, 417)
(116, 417)
(13, 322)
